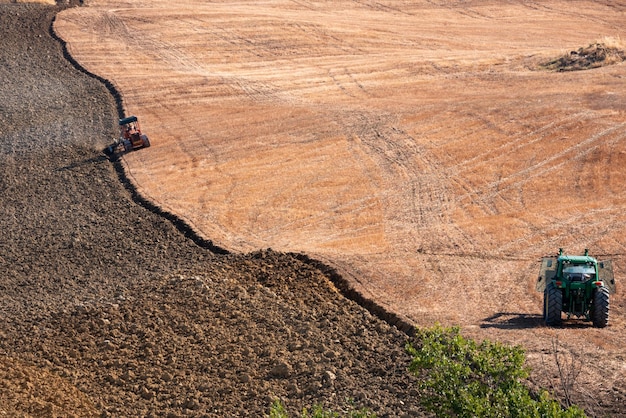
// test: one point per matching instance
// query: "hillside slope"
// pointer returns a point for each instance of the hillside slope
(421, 148)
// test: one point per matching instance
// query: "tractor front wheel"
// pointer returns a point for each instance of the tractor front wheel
(553, 304)
(600, 307)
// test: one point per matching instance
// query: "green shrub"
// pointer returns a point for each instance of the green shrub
(459, 377)
(277, 410)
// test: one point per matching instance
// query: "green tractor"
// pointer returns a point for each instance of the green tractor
(577, 285)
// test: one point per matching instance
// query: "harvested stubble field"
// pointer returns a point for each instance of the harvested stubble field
(419, 148)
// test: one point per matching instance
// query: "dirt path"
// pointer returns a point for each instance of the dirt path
(418, 148)
(107, 309)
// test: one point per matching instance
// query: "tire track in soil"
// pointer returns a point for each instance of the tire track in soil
(537, 6)
(420, 191)
(541, 168)
(521, 141)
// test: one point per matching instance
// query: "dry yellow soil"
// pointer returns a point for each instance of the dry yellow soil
(417, 146)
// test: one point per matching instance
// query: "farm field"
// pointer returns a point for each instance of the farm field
(110, 308)
(418, 147)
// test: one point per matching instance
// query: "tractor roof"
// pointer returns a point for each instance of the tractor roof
(577, 259)
(128, 120)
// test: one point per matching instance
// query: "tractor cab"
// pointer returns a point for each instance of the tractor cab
(579, 272)
(131, 131)
(130, 137)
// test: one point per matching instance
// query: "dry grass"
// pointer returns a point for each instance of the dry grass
(606, 51)
(613, 43)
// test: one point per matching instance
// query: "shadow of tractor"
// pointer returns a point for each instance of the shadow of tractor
(512, 320)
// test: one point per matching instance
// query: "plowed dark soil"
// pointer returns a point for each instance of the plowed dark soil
(108, 309)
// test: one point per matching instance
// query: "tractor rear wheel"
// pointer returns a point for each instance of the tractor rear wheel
(553, 304)
(600, 307)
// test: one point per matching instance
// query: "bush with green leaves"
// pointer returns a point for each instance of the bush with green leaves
(277, 410)
(460, 377)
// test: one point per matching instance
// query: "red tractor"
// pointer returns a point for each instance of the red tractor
(130, 138)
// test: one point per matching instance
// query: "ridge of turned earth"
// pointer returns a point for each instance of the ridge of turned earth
(109, 310)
